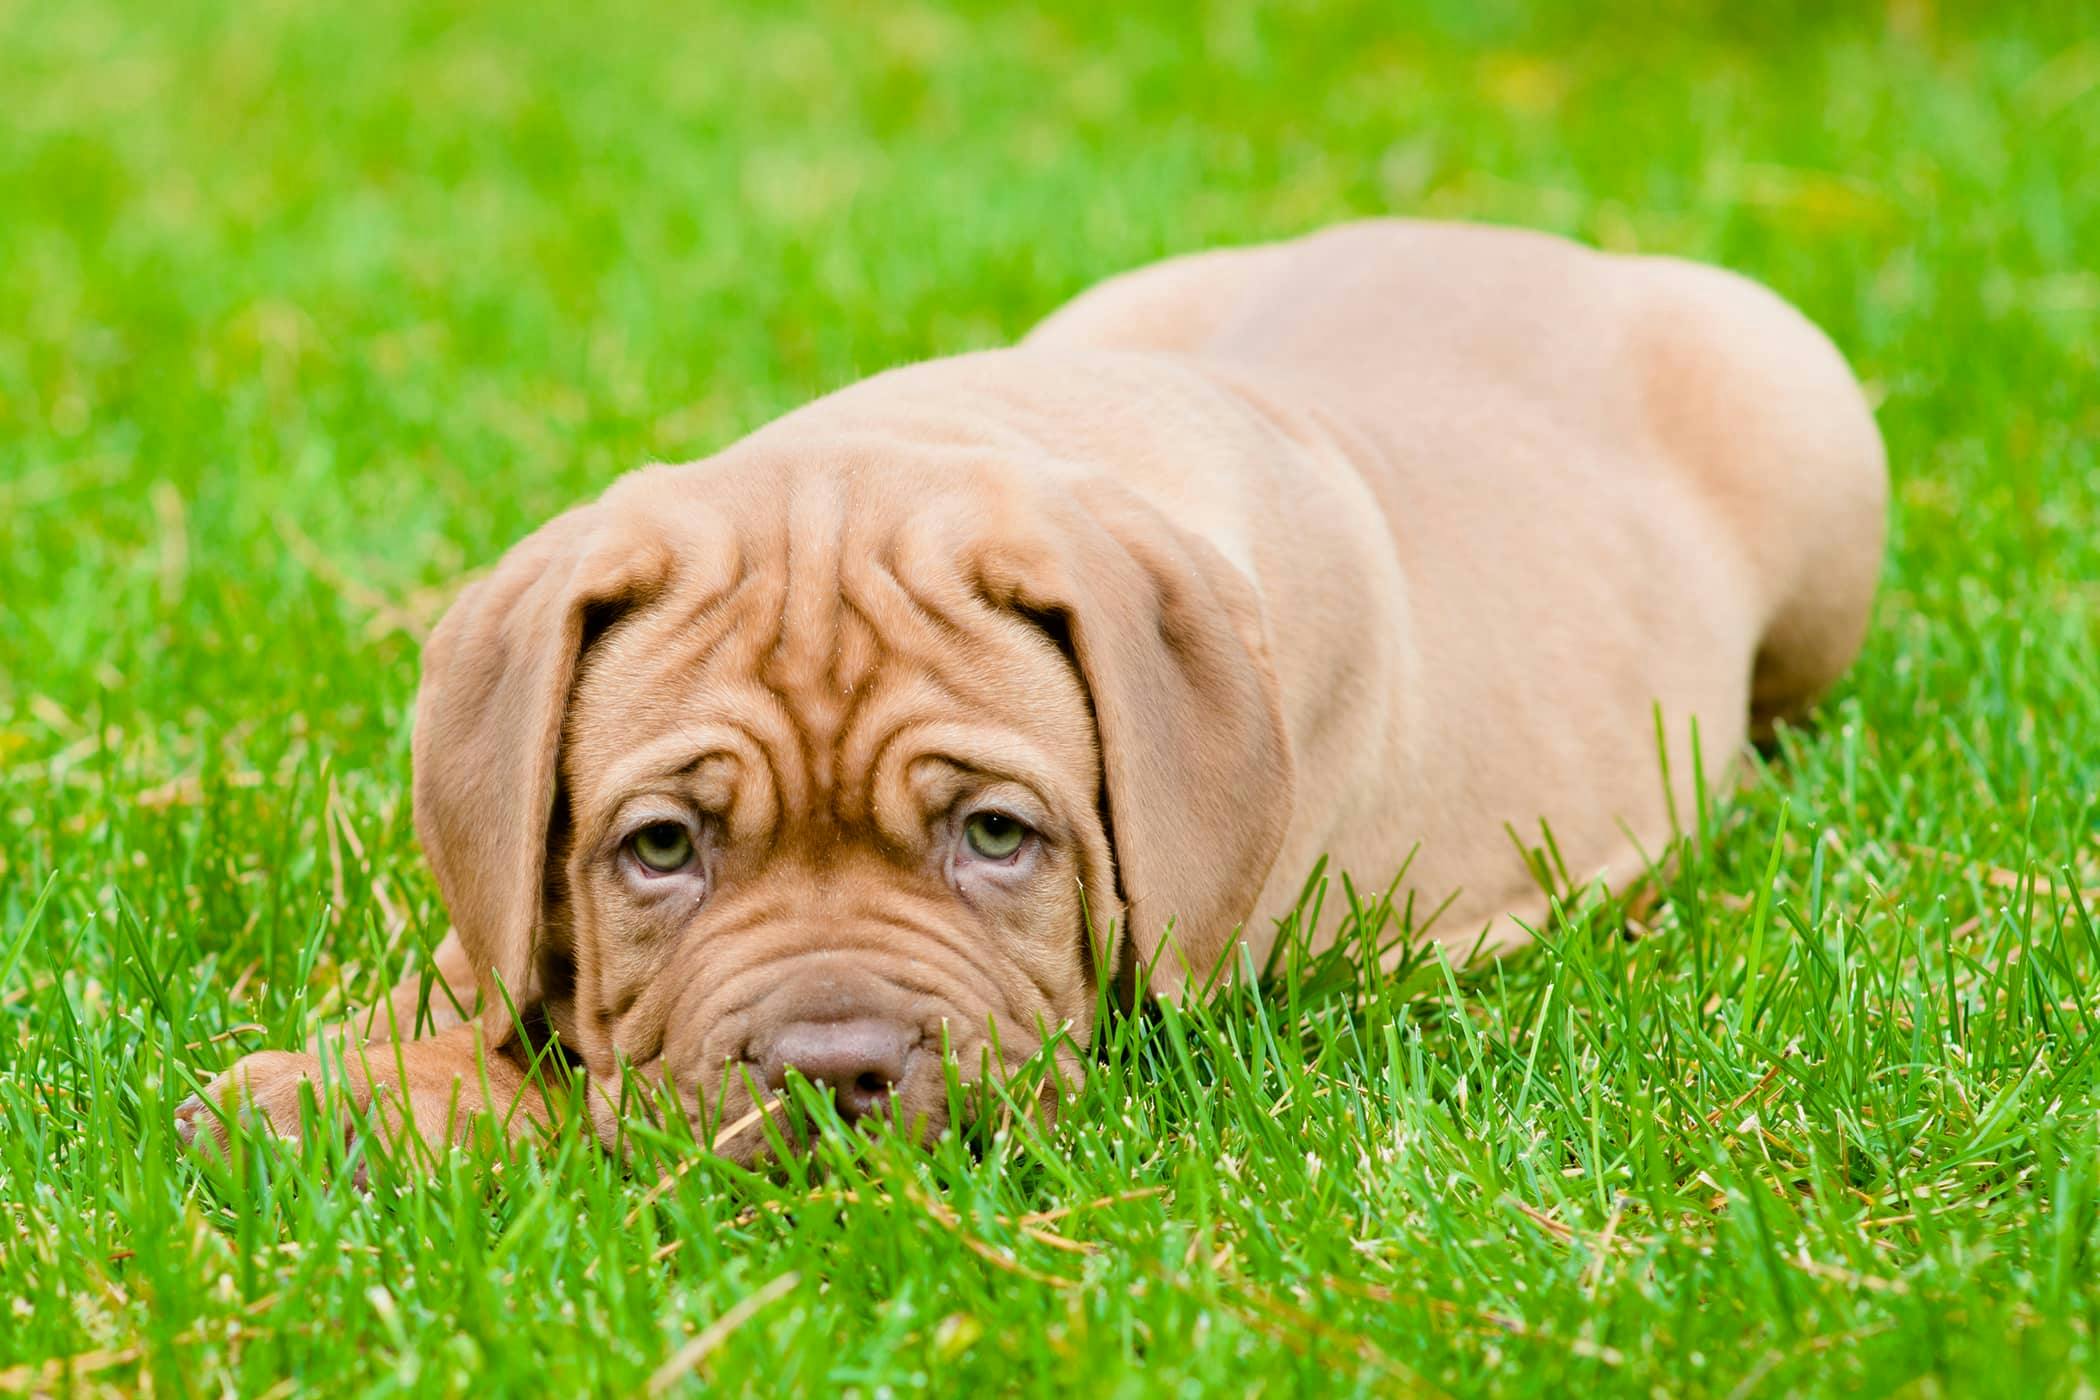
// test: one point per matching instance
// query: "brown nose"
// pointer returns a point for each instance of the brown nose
(858, 1061)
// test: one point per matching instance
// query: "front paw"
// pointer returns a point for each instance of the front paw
(435, 1090)
(264, 1090)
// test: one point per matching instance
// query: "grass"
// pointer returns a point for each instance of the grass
(307, 309)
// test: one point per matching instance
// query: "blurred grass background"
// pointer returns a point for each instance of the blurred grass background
(307, 309)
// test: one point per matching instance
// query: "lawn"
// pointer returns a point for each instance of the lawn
(308, 310)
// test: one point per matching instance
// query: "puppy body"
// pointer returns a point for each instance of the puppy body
(1535, 493)
(1379, 543)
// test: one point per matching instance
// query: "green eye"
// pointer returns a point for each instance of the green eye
(663, 847)
(994, 835)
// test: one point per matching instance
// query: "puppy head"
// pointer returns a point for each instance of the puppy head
(764, 763)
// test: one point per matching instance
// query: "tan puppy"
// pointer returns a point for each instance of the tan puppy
(831, 749)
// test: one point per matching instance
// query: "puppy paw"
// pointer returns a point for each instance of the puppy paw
(435, 1090)
(263, 1089)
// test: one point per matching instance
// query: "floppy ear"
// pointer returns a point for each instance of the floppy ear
(497, 674)
(1196, 761)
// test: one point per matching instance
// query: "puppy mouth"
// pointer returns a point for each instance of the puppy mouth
(855, 1070)
(749, 1121)
(786, 1124)
(754, 1112)
(767, 1063)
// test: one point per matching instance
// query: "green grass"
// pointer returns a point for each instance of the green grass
(306, 310)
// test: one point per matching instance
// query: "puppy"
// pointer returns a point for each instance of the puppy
(893, 729)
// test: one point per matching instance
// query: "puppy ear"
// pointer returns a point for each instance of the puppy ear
(497, 674)
(1196, 762)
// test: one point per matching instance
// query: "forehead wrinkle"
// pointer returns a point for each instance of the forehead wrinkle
(859, 681)
(752, 710)
(978, 754)
(676, 755)
(673, 635)
(679, 639)
(729, 681)
(711, 621)
(889, 638)
(837, 634)
(880, 586)
(815, 540)
(964, 665)
(672, 756)
(991, 752)
(875, 725)
(660, 697)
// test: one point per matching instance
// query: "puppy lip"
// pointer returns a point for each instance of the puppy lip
(917, 1093)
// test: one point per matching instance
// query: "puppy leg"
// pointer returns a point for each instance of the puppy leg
(435, 1089)
(405, 1013)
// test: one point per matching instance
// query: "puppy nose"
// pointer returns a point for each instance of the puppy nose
(858, 1061)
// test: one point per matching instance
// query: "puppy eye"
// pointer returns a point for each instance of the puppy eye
(994, 835)
(664, 847)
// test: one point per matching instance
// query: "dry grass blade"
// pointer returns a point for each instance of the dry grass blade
(715, 1333)
(1567, 1234)
(1997, 876)
(984, 1250)
(61, 1373)
(1044, 1217)
(672, 1177)
(1770, 1076)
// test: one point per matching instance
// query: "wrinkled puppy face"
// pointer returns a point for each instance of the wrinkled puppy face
(833, 752)
(837, 815)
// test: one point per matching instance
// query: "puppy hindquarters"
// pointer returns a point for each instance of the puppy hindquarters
(436, 1089)
(1828, 451)
(1762, 406)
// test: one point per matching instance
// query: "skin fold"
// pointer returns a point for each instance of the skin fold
(1375, 544)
